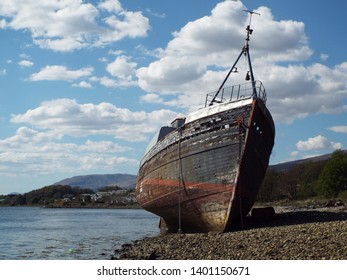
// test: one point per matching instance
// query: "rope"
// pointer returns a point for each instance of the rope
(240, 124)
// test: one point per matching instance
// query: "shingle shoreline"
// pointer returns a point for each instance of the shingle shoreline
(294, 234)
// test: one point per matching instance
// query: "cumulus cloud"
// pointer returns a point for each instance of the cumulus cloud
(59, 72)
(317, 143)
(155, 14)
(25, 63)
(82, 84)
(197, 58)
(275, 41)
(123, 71)
(111, 6)
(213, 41)
(169, 74)
(294, 154)
(324, 56)
(152, 98)
(68, 117)
(197, 45)
(108, 82)
(126, 24)
(72, 24)
(46, 152)
(122, 67)
(339, 128)
(47, 147)
(119, 82)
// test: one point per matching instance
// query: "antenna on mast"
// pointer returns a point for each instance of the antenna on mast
(250, 18)
(248, 28)
(244, 51)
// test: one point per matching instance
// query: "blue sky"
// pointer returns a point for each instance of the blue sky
(84, 85)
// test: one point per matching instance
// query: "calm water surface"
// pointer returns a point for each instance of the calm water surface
(46, 233)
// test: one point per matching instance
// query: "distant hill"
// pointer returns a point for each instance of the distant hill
(282, 167)
(97, 181)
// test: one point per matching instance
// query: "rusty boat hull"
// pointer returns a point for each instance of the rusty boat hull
(204, 175)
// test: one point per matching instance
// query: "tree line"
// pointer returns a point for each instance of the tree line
(326, 179)
(65, 195)
(45, 195)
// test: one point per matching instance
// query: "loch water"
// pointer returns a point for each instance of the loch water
(70, 233)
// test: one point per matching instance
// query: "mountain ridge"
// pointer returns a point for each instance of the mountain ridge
(280, 167)
(97, 181)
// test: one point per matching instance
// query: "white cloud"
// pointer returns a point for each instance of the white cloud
(197, 59)
(103, 146)
(152, 98)
(3, 72)
(122, 67)
(111, 6)
(324, 56)
(206, 41)
(317, 143)
(25, 135)
(123, 70)
(25, 63)
(59, 72)
(25, 56)
(126, 24)
(103, 59)
(159, 15)
(170, 74)
(82, 84)
(337, 146)
(67, 117)
(120, 82)
(65, 44)
(339, 129)
(199, 55)
(296, 91)
(116, 52)
(294, 154)
(72, 24)
(44, 152)
(3, 24)
(107, 82)
(283, 40)
(46, 147)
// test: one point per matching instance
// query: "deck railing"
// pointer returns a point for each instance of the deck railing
(236, 92)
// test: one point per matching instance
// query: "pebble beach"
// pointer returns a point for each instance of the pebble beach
(293, 234)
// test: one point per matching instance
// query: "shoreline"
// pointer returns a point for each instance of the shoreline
(295, 233)
(76, 206)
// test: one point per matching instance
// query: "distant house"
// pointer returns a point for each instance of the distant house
(68, 197)
(89, 197)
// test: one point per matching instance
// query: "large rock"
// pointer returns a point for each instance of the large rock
(263, 214)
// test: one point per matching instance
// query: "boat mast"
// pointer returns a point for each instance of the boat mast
(246, 47)
(245, 51)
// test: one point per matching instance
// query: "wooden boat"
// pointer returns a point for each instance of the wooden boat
(202, 173)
